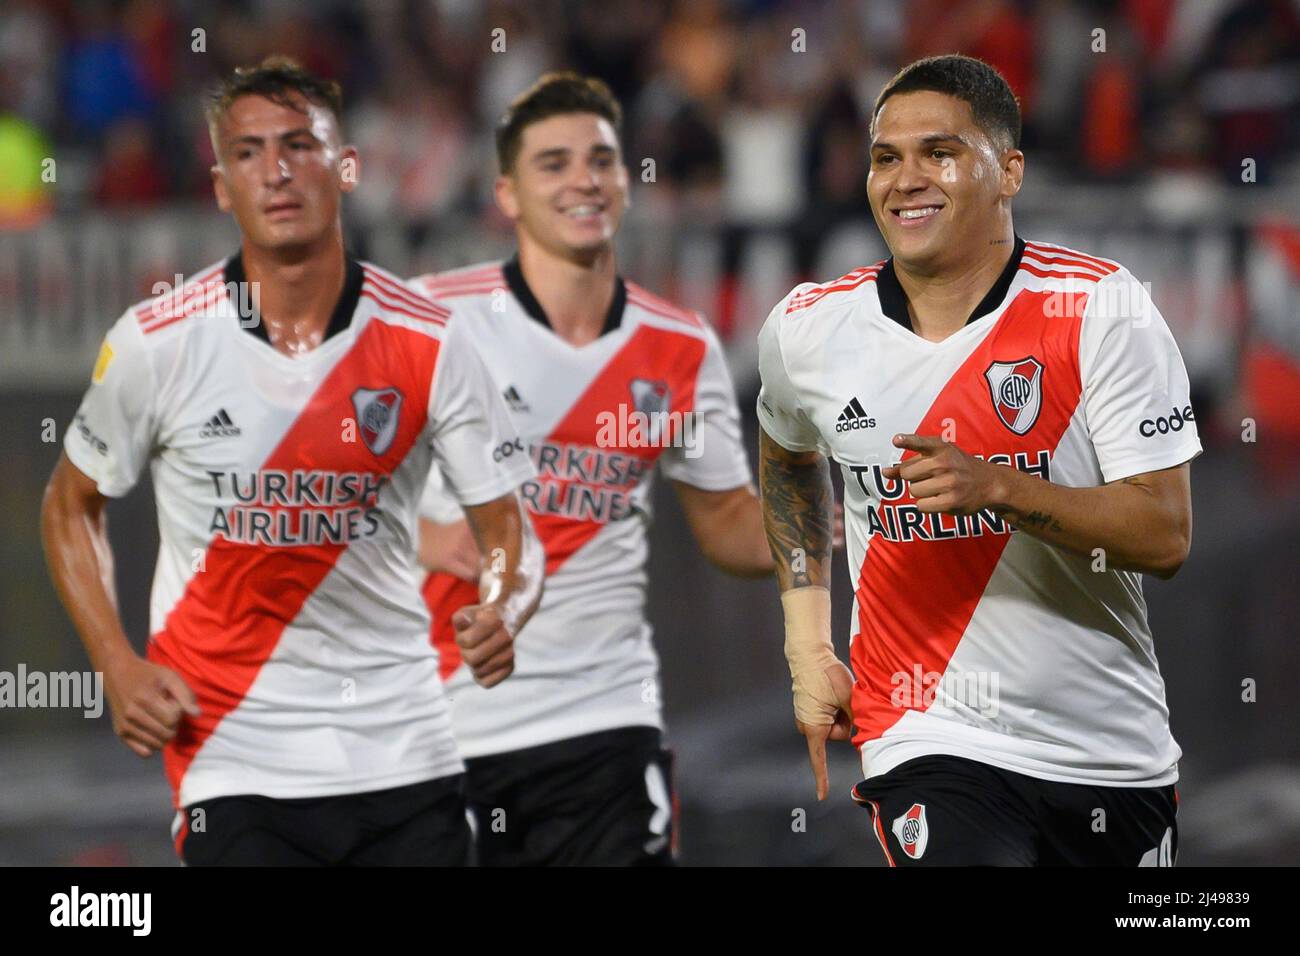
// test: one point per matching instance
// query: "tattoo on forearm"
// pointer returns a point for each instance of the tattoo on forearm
(1035, 519)
(797, 504)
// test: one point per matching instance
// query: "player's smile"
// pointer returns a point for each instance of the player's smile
(588, 213)
(915, 216)
(585, 212)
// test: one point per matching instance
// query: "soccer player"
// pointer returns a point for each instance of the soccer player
(605, 380)
(1012, 422)
(290, 402)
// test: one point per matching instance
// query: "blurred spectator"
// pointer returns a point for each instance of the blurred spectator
(104, 78)
(1248, 84)
(996, 31)
(528, 53)
(24, 197)
(28, 67)
(131, 173)
(1109, 106)
(152, 31)
(612, 40)
(763, 133)
(732, 116)
(698, 48)
(413, 141)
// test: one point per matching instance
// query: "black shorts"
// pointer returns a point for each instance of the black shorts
(422, 824)
(603, 799)
(949, 811)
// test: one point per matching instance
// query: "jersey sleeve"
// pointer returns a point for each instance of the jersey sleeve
(437, 503)
(115, 428)
(714, 458)
(476, 446)
(779, 412)
(1136, 396)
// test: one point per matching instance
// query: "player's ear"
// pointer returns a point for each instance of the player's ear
(504, 191)
(219, 188)
(1013, 172)
(349, 168)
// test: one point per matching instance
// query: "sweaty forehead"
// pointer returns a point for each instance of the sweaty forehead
(907, 116)
(254, 115)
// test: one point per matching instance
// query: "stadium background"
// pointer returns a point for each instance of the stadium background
(1160, 133)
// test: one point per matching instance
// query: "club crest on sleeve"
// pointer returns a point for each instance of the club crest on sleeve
(912, 831)
(1017, 392)
(377, 411)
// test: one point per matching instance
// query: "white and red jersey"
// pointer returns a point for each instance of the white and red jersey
(969, 638)
(286, 591)
(585, 661)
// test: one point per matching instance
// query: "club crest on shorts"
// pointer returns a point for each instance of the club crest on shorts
(912, 831)
(1017, 392)
(377, 411)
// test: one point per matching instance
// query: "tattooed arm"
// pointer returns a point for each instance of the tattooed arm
(798, 500)
(1141, 523)
(797, 514)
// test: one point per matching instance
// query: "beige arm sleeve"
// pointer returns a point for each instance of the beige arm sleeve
(811, 656)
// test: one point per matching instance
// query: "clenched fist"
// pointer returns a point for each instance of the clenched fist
(147, 701)
(486, 646)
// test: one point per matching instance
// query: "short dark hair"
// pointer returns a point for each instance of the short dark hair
(553, 94)
(281, 80)
(972, 81)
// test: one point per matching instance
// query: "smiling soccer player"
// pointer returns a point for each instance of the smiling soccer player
(565, 762)
(1013, 425)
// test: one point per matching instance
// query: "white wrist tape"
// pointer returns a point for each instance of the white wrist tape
(528, 576)
(809, 651)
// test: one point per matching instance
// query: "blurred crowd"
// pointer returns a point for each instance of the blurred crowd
(745, 111)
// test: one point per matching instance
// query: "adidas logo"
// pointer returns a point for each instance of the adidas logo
(512, 398)
(853, 416)
(219, 425)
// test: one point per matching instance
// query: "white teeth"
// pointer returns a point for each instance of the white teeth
(917, 213)
(582, 211)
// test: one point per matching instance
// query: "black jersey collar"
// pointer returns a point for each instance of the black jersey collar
(519, 288)
(250, 321)
(893, 300)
